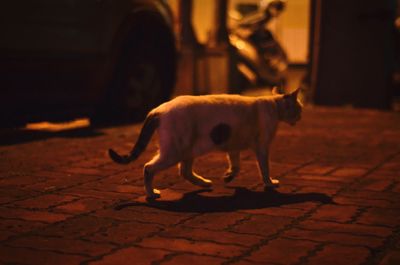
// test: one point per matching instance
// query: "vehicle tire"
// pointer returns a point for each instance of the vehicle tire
(144, 75)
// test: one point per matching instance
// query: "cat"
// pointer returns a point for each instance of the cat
(190, 126)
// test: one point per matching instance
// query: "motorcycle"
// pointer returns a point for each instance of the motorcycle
(259, 58)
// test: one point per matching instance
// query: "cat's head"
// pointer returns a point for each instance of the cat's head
(289, 107)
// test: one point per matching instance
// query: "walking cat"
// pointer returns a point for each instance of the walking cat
(190, 126)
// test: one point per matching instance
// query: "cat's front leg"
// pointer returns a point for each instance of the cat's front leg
(234, 166)
(263, 165)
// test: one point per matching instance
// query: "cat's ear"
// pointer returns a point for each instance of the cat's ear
(293, 94)
(275, 90)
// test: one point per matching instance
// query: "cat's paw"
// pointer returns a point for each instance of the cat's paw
(229, 176)
(154, 195)
(205, 183)
(199, 181)
(272, 183)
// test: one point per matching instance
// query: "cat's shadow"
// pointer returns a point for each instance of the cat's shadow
(241, 199)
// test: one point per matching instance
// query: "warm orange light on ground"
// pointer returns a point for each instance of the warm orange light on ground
(56, 127)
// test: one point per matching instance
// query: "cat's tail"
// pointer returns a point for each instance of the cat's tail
(149, 126)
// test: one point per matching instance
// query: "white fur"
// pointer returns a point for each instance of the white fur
(186, 123)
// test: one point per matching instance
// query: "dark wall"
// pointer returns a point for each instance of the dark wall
(353, 44)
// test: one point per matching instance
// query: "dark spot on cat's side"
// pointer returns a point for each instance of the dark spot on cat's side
(220, 133)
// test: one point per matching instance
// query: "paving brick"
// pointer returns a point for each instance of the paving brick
(82, 206)
(262, 225)
(248, 262)
(391, 166)
(367, 202)
(380, 185)
(124, 233)
(325, 178)
(32, 215)
(353, 229)
(82, 171)
(4, 235)
(75, 227)
(373, 184)
(339, 255)
(380, 217)
(316, 182)
(315, 169)
(54, 184)
(272, 252)
(391, 197)
(183, 186)
(287, 188)
(82, 191)
(349, 172)
(122, 178)
(92, 162)
(222, 237)
(39, 257)
(380, 174)
(19, 226)
(304, 206)
(215, 221)
(398, 244)
(327, 191)
(396, 188)
(336, 213)
(193, 260)
(246, 178)
(391, 258)
(219, 189)
(19, 181)
(277, 211)
(143, 214)
(132, 255)
(198, 247)
(334, 237)
(51, 174)
(118, 188)
(8, 195)
(44, 201)
(66, 246)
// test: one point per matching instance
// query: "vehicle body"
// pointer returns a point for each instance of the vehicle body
(260, 59)
(62, 59)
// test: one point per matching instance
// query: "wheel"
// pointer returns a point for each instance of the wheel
(144, 75)
(138, 88)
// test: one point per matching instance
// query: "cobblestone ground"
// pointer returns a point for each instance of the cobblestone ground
(62, 201)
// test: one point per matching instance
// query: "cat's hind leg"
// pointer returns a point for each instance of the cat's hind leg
(234, 166)
(155, 165)
(185, 169)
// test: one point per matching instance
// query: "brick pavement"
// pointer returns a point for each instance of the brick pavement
(63, 202)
